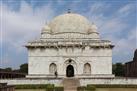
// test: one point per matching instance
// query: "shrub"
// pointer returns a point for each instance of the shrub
(82, 88)
(90, 88)
(47, 87)
(59, 89)
(50, 87)
(30, 86)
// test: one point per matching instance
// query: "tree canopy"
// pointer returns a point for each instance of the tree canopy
(23, 69)
(118, 69)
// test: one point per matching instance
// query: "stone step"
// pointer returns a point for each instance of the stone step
(70, 84)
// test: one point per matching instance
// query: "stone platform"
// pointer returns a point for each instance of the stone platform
(82, 81)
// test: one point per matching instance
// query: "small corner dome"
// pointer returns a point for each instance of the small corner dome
(46, 28)
(94, 27)
(70, 23)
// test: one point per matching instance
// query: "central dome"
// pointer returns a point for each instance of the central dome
(71, 22)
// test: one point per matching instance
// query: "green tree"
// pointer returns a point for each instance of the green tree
(118, 69)
(9, 69)
(113, 68)
(24, 68)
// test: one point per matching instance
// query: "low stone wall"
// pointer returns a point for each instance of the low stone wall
(57, 82)
(83, 81)
(109, 81)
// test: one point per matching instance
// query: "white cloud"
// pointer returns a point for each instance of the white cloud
(125, 10)
(111, 27)
(25, 24)
(99, 7)
(18, 27)
(6, 62)
(21, 26)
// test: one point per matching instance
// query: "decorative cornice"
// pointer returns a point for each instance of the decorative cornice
(70, 32)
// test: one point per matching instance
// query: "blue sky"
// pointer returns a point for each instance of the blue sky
(22, 21)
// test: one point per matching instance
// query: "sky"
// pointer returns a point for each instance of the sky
(22, 21)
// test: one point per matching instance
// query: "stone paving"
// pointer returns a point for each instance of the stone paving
(71, 84)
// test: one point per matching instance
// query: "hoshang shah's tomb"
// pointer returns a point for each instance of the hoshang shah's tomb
(70, 52)
(70, 46)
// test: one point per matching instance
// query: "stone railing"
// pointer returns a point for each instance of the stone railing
(5, 87)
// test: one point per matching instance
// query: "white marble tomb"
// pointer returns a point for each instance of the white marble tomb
(69, 46)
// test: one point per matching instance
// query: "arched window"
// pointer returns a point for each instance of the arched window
(52, 68)
(87, 68)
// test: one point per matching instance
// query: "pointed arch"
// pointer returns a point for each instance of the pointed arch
(87, 68)
(70, 71)
(52, 68)
(70, 62)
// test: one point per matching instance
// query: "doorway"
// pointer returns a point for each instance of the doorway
(70, 71)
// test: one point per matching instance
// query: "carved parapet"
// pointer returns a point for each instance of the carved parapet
(65, 43)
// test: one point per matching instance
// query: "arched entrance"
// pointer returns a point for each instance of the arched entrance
(70, 71)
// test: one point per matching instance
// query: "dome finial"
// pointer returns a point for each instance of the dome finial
(69, 10)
